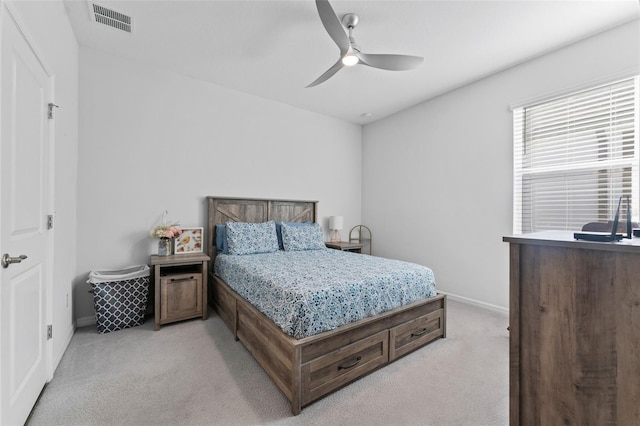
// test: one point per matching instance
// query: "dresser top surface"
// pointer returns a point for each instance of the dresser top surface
(566, 239)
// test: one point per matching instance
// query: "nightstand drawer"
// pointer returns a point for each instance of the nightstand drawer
(181, 296)
(407, 337)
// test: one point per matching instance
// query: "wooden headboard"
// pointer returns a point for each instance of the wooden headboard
(222, 210)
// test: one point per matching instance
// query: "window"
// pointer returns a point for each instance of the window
(575, 156)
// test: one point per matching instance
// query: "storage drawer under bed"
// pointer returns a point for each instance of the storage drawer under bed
(413, 334)
(335, 369)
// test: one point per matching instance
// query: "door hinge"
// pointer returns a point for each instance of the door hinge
(50, 114)
(50, 221)
(49, 332)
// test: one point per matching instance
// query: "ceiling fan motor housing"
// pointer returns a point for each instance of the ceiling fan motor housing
(350, 20)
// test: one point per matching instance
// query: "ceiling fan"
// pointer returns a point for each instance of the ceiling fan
(350, 53)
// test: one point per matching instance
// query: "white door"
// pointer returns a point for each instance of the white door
(24, 203)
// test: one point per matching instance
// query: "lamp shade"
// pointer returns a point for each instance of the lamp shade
(335, 222)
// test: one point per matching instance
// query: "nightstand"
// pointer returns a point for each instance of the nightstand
(180, 284)
(345, 246)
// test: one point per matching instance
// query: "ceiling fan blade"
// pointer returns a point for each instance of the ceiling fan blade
(333, 26)
(390, 62)
(328, 73)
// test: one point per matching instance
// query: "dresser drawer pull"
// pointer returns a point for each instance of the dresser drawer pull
(353, 364)
(177, 280)
(419, 333)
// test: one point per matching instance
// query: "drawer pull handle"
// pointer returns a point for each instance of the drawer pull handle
(353, 364)
(177, 280)
(419, 333)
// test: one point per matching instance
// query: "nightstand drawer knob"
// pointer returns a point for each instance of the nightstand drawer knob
(177, 280)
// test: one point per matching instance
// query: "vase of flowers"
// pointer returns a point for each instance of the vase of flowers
(165, 234)
(164, 247)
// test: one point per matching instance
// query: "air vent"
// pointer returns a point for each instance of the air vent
(110, 17)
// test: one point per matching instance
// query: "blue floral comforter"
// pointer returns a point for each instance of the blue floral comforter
(308, 292)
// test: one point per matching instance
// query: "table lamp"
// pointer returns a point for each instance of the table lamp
(335, 225)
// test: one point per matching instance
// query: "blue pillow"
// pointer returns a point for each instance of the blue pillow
(279, 230)
(296, 238)
(221, 239)
(250, 238)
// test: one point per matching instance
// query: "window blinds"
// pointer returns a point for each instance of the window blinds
(574, 156)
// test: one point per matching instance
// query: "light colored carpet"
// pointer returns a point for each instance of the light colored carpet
(194, 373)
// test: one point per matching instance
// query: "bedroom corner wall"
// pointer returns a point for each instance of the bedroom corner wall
(153, 140)
(445, 197)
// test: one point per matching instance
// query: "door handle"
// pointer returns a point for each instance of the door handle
(8, 260)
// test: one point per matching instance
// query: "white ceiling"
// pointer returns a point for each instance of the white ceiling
(273, 49)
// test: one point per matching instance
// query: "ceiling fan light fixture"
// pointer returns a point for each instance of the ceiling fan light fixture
(350, 60)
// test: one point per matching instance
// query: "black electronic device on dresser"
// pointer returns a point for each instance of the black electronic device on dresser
(613, 235)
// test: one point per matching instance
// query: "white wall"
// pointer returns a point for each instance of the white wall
(152, 140)
(48, 27)
(437, 177)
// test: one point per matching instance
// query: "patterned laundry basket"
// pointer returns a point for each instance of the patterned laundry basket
(120, 297)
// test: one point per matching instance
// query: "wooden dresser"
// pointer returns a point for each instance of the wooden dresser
(574, 331)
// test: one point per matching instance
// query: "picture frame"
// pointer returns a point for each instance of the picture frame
(190, 241)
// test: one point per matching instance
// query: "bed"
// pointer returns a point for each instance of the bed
(315, 363)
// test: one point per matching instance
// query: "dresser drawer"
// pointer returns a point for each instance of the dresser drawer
(335, 369)
(409, 336)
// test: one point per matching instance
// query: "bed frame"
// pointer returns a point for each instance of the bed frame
(308, 369)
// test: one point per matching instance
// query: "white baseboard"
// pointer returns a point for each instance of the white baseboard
(475, 302)
(85, 321)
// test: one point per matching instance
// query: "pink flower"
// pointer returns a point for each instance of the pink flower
(165, 231)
